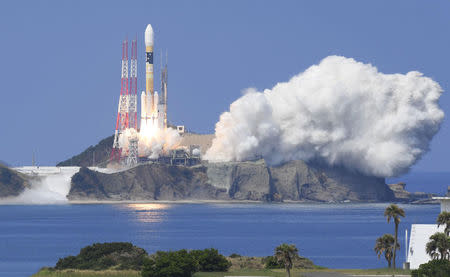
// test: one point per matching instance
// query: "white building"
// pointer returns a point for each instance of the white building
(420, 234)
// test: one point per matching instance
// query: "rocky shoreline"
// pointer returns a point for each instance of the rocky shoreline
(231, 182)
(245, 181)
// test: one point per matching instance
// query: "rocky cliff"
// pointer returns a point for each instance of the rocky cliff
(402, 195)
(293, 181)
(12, 183)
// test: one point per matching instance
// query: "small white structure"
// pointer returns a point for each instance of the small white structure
(47, 170)
(445, 203)
(180, 129)
(420, 235)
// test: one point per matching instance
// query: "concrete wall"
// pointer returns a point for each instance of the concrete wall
(445, 205)
(204, 141)
(420, 234)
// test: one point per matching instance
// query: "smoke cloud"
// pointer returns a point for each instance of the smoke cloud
(51, 189)
(340, 112)
(154, 141)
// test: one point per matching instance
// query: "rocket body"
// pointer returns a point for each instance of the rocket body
(150, 114)
(149, 61)
(147, 96)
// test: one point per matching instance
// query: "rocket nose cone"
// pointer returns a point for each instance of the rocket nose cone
(149, 35)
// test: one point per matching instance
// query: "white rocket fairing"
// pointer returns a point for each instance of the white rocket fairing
(152, 112)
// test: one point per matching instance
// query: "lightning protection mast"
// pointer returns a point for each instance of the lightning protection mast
(164, 79)
(122, 122)
(133, 138)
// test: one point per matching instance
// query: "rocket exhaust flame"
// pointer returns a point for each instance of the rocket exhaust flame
(154, 137)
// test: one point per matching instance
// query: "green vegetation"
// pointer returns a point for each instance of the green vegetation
(271, 262)
(126, 260)
(210, 260)
(49, 272)
(248, 272)
(444, 219)
(172, 263)
(394, 212)
(234, 255)
(385, 245)
(438, 246)
(285, 254)
(242, 272)
(183, 263)
(434, 268)
(97, 155)
(101, 256)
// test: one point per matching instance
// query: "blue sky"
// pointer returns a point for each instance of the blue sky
(60, 68)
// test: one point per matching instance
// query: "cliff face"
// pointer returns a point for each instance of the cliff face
(402, 195)
(294, 181)
(12, 183)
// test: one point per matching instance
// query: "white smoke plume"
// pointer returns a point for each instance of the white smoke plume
(50, 189)
(340, 112)
(154, 141)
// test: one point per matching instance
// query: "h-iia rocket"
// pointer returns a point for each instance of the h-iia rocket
(152, 109)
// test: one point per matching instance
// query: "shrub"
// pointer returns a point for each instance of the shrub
(67, 262)
(100, 256)
(234, 255)
(270, 262)
(210, 260)
(170, 264)
(434, 268)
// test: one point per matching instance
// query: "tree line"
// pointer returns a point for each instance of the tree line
(438, 246)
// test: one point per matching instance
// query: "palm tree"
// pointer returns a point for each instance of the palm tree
(439, 245)
(385, 244)
(444, 219)
(285, 253)
(394, 212)
(431, 249)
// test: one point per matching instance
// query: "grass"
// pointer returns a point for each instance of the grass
(256, 272)
(298, 273)
(376, 271)
(243, 272)
(86, 273)
(130, 273)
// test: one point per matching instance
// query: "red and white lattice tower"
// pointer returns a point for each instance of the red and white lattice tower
(122, 122)
(133, 138)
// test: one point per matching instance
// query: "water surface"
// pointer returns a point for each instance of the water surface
(336, 236)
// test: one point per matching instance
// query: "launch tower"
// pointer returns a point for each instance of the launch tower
(122, 113)
(153, 124)
(126, 123)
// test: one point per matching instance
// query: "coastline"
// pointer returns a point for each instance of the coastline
(112, 202)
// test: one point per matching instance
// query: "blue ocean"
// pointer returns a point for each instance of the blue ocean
(335, 236)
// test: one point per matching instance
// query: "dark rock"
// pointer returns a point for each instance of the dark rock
(12, 183)
(402, 195)
(293, 181)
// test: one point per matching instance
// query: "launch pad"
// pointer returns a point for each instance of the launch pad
(154, 140)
